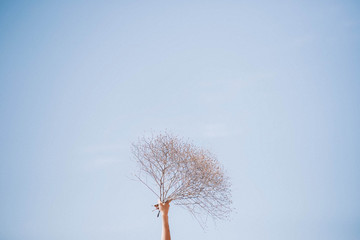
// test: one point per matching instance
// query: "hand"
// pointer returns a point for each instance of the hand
(163, 207)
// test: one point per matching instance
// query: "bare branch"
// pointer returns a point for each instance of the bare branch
(190, 176)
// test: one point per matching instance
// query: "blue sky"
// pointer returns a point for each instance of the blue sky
(271, 87)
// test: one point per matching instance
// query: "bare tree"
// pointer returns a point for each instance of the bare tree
(174, 169)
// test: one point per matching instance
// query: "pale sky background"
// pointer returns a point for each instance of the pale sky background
(271, 87)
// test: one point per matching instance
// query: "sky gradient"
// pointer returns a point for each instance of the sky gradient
(270, 87)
